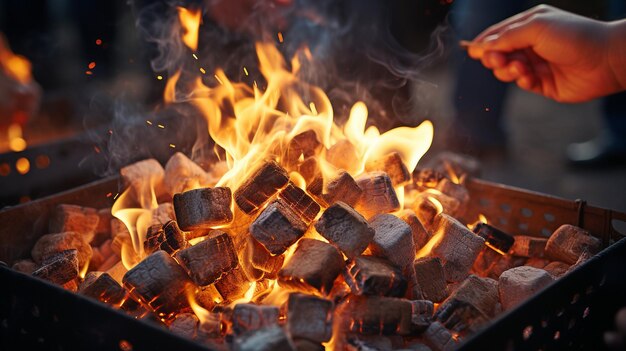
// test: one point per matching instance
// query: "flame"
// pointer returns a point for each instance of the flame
(437, 235)
(436, 203)
(202, 313)
(169, 95)
(190, 23)
(16, 67)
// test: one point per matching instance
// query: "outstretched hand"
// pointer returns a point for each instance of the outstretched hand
(560, 55)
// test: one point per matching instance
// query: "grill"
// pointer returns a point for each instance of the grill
(573, 312)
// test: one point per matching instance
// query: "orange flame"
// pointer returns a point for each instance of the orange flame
(190, 22)
(14, 66)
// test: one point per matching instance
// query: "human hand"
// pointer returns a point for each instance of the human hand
(560, 55)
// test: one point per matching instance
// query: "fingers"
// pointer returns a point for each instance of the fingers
(523, 16)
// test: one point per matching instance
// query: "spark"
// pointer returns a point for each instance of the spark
(159, 77)
(98, 41)
(109, 194)
(92, 65)
(161, 126)
(203, 70)
(172, 146)
(280, 37)
(245, 70)
(149, 122)
(219, 80)
(116, 195)
(194, 56)
(88, 73)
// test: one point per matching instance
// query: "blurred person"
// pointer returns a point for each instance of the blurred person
(479, 113)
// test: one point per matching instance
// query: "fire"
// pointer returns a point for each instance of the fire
(16, 141)
(14, 66)
(190, 23)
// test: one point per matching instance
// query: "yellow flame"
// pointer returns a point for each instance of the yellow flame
(169, 95)
(482, 218)
(436, 203)
(202, 313)
(190, 22)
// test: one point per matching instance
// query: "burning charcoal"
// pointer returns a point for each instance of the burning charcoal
(421, 314)
(59, 268)
(207, 296)
(377, 315)
(417, 346)
(358, 342)
(439, 338)
(206, 261)
(454, 190)
(186, 325)
(247, 317)
(342, 155)
(25, 266)
(158, 282)
(233, 285)
(101, 286)
(264, 339)
(71, 286)
(431, 278)
(536, 262)
(314, 265)
(310, 317)
(145, 171)
(457, 247)
(471, 305)
(392, 165)
(528, 246)
(568, 242)
(259, 187)
(368, 275)
(50, 244)
(168, 238)
(299, 202)
(262, 259)
(163, 213)
(203, 208)
(182, 174)
(378, 194)
(341, 188)
(72, 218)
(118, 271)
(345, 228)
(426, 209)
(584, 257)
(518, 284)
(420, 235)
(104, 222)
(425, 178)
(503, 263)
(557, 269)
(277, 227)
(307, 345)
(494, 237)
(302, 146)
(393, 240)
(309, 169)
(455, 165)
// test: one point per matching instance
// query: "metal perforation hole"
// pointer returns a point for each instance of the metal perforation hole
(526, 212)
(546, 232)
(523, 227)
(549, 217)
(575, 298)
(503, 221)
(527, 332)
(484, 202)
(125, 345)
(557, 335)
(35, 311)
(505, 207)
(619, 226)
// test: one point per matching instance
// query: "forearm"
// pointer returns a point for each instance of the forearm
(617, 51)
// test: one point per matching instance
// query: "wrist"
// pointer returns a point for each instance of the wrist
(617, 51)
